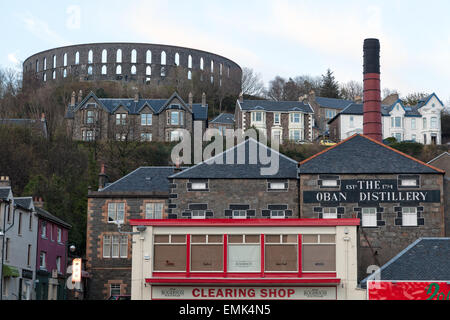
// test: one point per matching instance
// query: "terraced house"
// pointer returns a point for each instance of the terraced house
(93, 118)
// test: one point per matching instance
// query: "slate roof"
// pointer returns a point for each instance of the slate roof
(333, 103)
(24, 202)
(425, 259)
(144, 179)
(4, 192)
(360, 155)
(277, 106)
(48, 216)
(133, 107)
(224, 118)
(210, 170)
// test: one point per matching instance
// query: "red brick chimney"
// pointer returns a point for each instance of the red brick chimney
(372, 92)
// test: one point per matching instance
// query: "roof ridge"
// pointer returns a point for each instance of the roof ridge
(445, 152)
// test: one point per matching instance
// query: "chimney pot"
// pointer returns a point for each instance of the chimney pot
(204, 99)
(241, 97)
(136, 97)
(73, 99)
(80, 96)
(191, 99)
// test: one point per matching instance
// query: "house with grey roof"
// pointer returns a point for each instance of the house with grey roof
(222, 122)
(141, 119)
(234, 184)
(397, 197)
(419, 123)
(37, 126)
(426, 260)
(280, 120)
(141, 194)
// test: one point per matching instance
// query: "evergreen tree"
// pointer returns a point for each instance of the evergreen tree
(329, 87)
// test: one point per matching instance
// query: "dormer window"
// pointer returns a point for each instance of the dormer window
(146, 119)
(90, 117)
(121, 119)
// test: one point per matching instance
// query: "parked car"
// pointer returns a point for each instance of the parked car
(120, 298)
(327, 143)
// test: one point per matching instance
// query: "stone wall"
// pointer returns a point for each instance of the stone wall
(105, 271)
(224, 195)
(380, 244)
(232, 83)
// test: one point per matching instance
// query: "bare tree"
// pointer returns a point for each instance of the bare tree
(252, 85)
(276, 89)
(352, 90)
(387, 92)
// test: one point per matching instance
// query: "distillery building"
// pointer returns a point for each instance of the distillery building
(398, 198)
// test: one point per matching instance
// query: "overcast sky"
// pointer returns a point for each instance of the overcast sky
(286, 38)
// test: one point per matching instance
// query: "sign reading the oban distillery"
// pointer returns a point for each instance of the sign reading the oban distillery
(371, 191)
(243, 293)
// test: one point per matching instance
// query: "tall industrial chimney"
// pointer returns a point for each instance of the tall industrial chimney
(372, 93)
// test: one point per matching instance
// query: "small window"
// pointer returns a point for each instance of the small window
(116, 212)
(149, 57)
(201, 64)
(37, 65)
(319, 253)
(277, 186)
(434, 123)
(124, 247)
(58, 264)
(133, 70)
(54, 61)
(329, 213)
(65, 59)
(59, 235)
(212, 66)
(148, 71)
(119, 56)
(277, 214)
(239, 214)
(104, 56)
(45, 64)
(163, 71)
(163, 58)
(114, 290)
(244, 253)
(146, 119)
(104, 70)
(170, 253)
(119, 69)
(424, 123)
(134, 56)
(177, 59)
(121, 119)
(54, 75)
(207, 253)
(106, 246)
(198, 214)
(189, 75)
(408, 182)
(154, 210)
(42, 260)
(43, 229)
(175, 136)
(90, 57)
(90, 70)
(77, 58)
(329, 183)
(65, 73)
(409, 217)
(295, 117)
(281, 253)
(190, 62)
(198, 186)
(146, 137)
(276, 118)
(369, 217)
(413, 123)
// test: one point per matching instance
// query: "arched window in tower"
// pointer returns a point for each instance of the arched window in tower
(45, 63)
(65, 73)
(90, 70)
(163, 71)
(77, 58)
(104, 70)
(190, 62)
(119, 56)
(149, 57)
(189, 75)
(201, 64)
(54, 61)
(134, 56)
(65, 59)
(212, 66)
(45, 77)
(221, 69)
(91, 56)
(148, 71)
(54, 75)
(37, 65)
(177, 59)
(133, 70)
(163, 58)
(104, 56)
(119, 69)
(228, 71)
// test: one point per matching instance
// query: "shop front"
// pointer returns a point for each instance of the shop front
(249, 259)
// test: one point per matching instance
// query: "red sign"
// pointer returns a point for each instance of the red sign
(408, 290)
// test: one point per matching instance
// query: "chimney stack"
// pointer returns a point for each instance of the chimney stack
(5, 182)
(38, 202)
(136, 97)
(241, 97)
(102, 178)
(80, 96)
(191, 99)
(73, 99)
(204, 99)
(372, 92)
